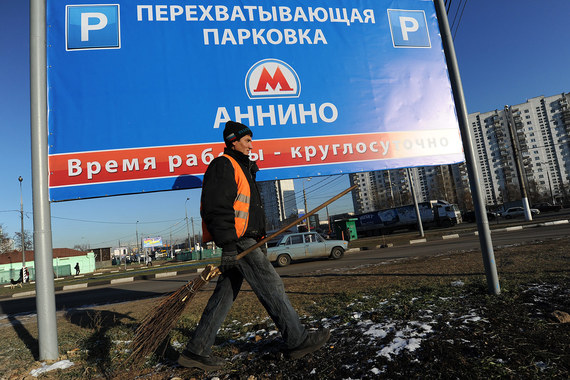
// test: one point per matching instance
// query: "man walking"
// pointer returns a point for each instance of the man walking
(233, 217)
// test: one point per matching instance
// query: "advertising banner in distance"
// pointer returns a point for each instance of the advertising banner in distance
(138, 93)
(152, 242)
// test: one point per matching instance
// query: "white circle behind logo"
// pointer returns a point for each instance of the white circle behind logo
(272, 78)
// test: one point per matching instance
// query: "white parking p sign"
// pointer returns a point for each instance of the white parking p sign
(92, 27)
(409, 28)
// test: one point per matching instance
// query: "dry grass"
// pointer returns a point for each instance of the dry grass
(95, 340)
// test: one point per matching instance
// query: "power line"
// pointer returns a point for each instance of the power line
(108, 222)
(455, 14)
(460, 17)
(448, 5)
(324, 183)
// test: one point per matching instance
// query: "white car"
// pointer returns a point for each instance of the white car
(514, 212)
(305, 245)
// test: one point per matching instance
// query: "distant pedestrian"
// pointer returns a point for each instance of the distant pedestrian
(76, 269)
(149, 261)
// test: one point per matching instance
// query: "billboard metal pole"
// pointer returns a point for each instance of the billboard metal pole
(45, 292)
(461, 108)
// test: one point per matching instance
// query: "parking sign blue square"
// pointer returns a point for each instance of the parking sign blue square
(409, 28)
(92, 27)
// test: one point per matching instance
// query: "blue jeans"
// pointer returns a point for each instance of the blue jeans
(256, 269)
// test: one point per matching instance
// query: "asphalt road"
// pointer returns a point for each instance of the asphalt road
(465, 242)
(105, 294)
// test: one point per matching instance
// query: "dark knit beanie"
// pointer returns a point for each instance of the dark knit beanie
(235, 131)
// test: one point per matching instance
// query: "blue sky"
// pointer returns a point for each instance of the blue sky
(508, 51)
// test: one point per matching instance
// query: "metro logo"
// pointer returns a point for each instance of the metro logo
(272, 78)
(273, 81)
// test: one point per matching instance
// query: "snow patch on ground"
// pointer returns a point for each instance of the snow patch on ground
(63, 364)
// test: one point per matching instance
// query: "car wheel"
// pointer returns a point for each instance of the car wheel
(283, 260)
(337, 253)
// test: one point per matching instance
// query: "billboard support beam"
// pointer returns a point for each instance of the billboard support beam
(43, 251)
(461, 108)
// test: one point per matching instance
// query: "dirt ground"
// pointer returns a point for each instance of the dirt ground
(413, 318)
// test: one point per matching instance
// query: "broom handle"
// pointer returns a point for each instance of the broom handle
(295, 222)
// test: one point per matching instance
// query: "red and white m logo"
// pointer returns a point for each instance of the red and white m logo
(271, 78)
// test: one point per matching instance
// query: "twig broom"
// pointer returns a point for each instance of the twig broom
(155, 326)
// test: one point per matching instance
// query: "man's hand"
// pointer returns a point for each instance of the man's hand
(229, 260)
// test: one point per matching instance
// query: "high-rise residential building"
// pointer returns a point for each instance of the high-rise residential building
(384, 189)
(279, 201)
(537, 131)
(537, 134)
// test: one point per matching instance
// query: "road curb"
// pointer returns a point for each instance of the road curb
(98, 282)
(457, 236)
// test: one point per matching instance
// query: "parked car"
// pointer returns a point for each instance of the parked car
(514, 212)
(304, 245)
(469, 216)
(546, 207)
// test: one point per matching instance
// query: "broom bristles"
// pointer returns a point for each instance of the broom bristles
(156, 326)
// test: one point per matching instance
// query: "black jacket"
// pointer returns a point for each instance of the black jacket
(219, 191)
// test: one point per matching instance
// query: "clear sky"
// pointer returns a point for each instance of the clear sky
(508, 52)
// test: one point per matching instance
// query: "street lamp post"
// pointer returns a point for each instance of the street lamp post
(22, 224)
(306, 210)
(193, 233)
(138, 248)
(187, 229)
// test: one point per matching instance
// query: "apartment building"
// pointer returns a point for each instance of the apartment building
(279, 201)
(391, 188)
(534, 134)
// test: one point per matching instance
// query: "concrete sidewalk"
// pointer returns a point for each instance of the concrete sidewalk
(112, 276)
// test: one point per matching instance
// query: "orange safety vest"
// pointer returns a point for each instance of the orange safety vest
(241, 203)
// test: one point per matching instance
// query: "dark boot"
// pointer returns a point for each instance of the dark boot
(313, 341)
(207, 363)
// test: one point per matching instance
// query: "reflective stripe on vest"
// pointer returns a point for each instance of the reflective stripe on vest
(241, 203)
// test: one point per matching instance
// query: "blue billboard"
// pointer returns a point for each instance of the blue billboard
(138, 93)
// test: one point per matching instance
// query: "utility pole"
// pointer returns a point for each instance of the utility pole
(193, 233)
(550, 186)
(138, 248)
(518, 165)
(329, 220)
(187, 229)
(22, 225)
(418, 215)
(308, 221)
(391, 188)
